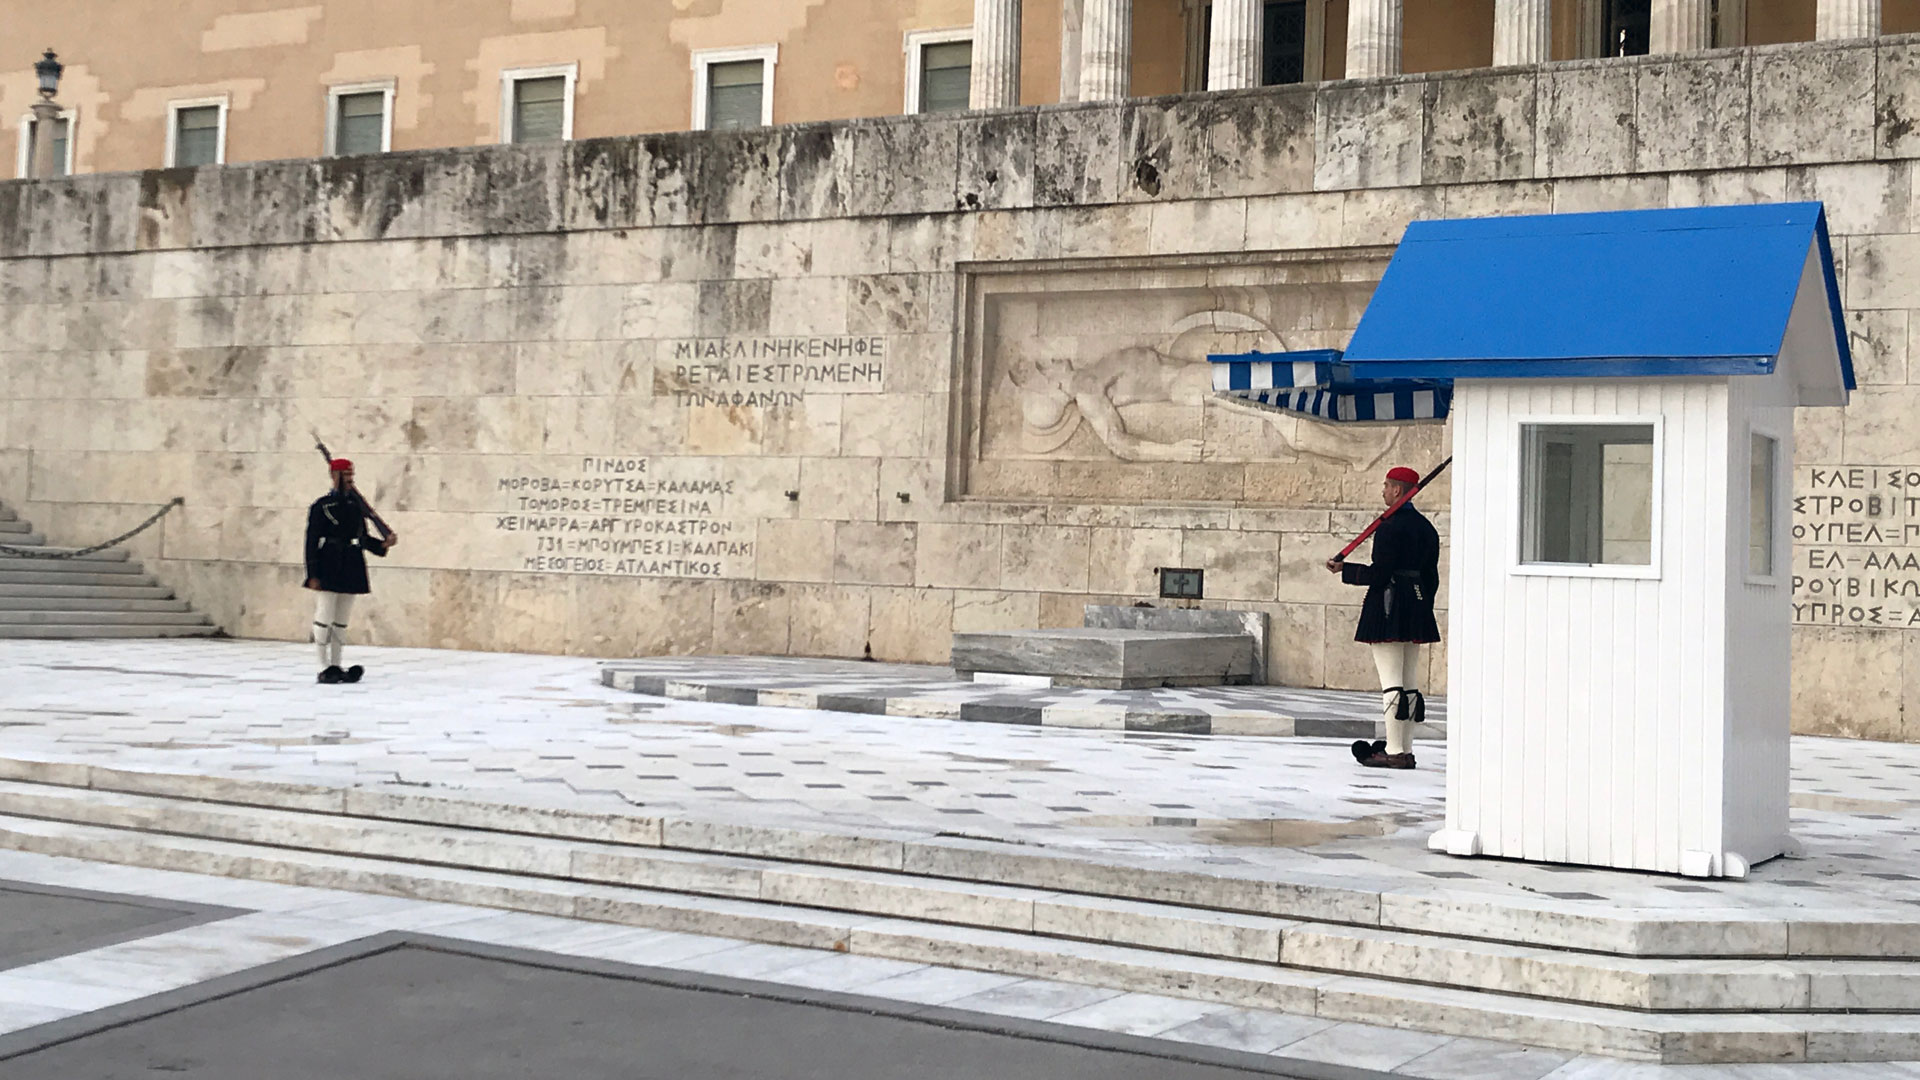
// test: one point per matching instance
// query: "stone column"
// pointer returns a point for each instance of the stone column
(996, 55)
(1522, 32)
(1069, 50)
(1681, 26)
(1234, 41)
(1373, 38)
(45, 116)
(1106, 49)
(1846, 19)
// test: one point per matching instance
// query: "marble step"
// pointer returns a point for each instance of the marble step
(81, 604)
(81, 631)
(128, 591)
(69, 574)
(1697, 932)
(39, 615)
(112, 561)
(23, 540)
(1637, 983)
(1674, 1039)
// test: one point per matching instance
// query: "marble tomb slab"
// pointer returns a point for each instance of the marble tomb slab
(1109, 658)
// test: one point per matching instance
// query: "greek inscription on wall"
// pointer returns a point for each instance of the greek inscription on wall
(1856, 546)
(630, 516)
(769, 371)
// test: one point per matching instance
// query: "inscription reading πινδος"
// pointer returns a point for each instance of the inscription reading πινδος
(640, 517)
(1856, 546)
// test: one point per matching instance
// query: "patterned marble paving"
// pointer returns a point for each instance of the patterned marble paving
(540, 730)
(935, 692)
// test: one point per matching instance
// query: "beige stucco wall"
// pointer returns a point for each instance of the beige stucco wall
(506, 337)
(273, 59)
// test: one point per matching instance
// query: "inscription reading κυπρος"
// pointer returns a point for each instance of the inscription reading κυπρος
(1856, 546)
(631, 516)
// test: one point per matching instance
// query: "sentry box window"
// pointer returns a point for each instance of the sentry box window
(1181, 584)
(1587, 495)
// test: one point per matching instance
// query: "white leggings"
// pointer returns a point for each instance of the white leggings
(330, 625)
(1398, 663)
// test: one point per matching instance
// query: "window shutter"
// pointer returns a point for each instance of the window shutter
(359, 123)
(60, 137)
(196, 139)
(540, 109)
(734, 95)
(946, 76)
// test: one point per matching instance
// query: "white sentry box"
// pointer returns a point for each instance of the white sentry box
(1619, 627)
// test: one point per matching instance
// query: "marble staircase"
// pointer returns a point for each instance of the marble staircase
(1701, 986)
(104, 595)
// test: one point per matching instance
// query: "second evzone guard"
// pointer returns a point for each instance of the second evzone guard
(338, 539)
(1396, 617)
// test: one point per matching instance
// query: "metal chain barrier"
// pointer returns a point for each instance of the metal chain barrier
(37, 553)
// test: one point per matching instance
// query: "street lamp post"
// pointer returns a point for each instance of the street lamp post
(45, 115)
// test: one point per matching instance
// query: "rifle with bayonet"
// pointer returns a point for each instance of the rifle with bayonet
(386, 531)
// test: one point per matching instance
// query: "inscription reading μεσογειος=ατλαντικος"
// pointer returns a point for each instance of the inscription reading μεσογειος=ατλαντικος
(1856, 546)
(639, 517)
(769, 372)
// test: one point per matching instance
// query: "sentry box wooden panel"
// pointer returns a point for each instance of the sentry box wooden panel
(1623, 395)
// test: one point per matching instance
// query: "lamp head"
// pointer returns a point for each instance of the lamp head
(48, 69)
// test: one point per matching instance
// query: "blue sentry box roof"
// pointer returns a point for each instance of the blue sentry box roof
(1637, 293)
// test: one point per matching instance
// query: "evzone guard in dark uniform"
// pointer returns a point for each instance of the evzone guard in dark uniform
(1396, 618)
(338, 539)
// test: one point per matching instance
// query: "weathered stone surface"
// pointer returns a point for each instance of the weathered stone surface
(1813, 104)
(1896, 100)
(1260, 143)
(1164, 150)
(738, 178)
(995, 165)
(1692, 114)
(1586, 119)
(816, 170)
(905, 166)
(1369, 135)
(1078, 155)
(1480, 129)
(603, 182)
(1112, 658)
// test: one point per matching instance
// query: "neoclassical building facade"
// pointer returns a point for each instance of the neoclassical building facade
(151, 85)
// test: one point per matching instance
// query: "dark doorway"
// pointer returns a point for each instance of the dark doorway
(1629, 27)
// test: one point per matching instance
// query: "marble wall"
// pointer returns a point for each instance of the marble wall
(845, 389)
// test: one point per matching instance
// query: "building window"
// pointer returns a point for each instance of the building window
(939, 70)
(197, 133)
(1628, 27)
(1760, 506)
(536, 104)
(1293, 34)
(1283, 53)
(733, 88)
(360, 119)
(1587, 494)
(62, 144)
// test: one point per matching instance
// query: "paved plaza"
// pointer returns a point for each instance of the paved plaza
(542, 731)
(536, 730)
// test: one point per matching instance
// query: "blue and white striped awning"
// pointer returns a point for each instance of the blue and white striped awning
(1314, 383)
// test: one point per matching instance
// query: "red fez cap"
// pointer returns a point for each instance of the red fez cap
(1403, 474)
(339, 464)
